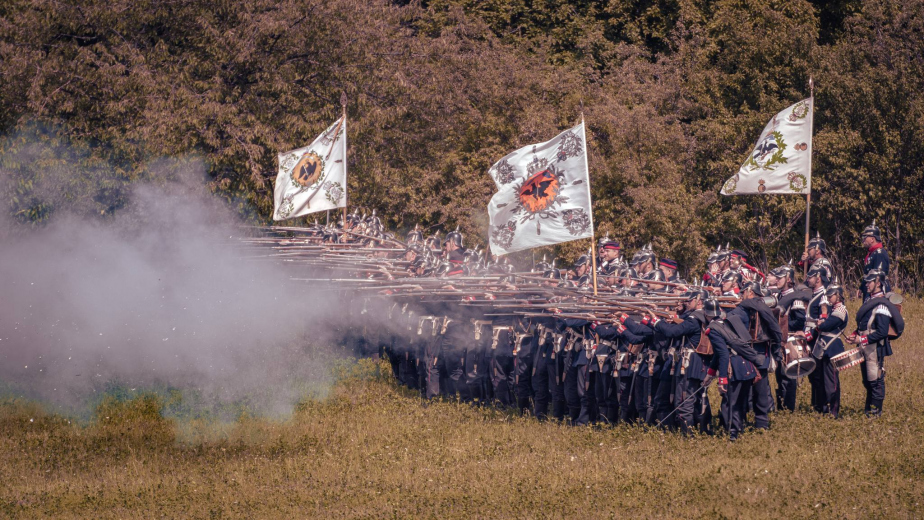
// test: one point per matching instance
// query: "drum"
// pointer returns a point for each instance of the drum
(847, 359)
(797, 360)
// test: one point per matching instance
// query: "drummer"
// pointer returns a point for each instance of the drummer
(817, 311)
(828, 343)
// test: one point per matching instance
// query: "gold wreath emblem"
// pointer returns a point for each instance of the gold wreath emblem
(308, 169)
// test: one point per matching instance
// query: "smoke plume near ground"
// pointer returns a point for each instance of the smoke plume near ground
(161, 295)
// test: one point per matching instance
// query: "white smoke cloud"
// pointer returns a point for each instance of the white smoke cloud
(159, 295)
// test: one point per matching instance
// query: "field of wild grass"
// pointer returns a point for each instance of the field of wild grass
(371, 449)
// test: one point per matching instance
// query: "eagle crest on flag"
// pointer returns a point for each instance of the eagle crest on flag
(545, 183)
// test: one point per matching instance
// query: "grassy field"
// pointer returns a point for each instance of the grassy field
(371, 449)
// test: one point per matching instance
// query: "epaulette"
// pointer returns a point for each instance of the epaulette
(882, 309)
(798, 304)
(878, 249)
(840, 311)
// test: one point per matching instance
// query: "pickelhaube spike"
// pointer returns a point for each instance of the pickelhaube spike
(817, 234)
(553, 262)
(544, 258)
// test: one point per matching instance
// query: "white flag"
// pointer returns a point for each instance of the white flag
(543, 195)
(782, 160)
(313, 178)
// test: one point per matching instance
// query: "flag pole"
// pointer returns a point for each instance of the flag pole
(343, 103)
(593, 239)
(808, 196)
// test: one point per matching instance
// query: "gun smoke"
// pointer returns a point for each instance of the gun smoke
(160, 295)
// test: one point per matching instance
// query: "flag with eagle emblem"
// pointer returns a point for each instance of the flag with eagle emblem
(782, 160)
(313, 178)
(543, 195)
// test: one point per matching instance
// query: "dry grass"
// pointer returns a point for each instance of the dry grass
(371, 449)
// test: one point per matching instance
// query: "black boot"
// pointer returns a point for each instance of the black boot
(524, 405)
(558, 410)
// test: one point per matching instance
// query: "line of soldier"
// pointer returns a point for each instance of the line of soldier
(637, 367)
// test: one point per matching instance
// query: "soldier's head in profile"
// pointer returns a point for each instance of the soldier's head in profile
(782, 277)
(871, 236)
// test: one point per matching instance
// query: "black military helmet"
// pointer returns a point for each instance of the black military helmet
(722, 254)
(455, 237)
(712, 309)
(784, 271)
(816, 270)
(835, 288)
(582, 260)
(415, 247)
(433, 241)
(875, 274)
(443, 268)
(713, 258)
(609, 269)
(872, 230)
(754, 287)
(415, 235)
(818, 243)
(645, 254)
(552, 274)
(655, 275)
(696, 293)
(542, 266)
(471, 256)
(730, 276)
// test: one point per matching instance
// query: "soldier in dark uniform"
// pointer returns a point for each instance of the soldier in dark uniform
(580, 391)
(739, 262)
(669, 268)
(733, 364)
(817, 310)
(791, 303)
(502, 374)
(548, 369)
(876, 257)
(713, 275)
(688, 368)
(647, 367)
(815, 256)
(611, 255)
(766, 339)
(627, 366)
(872, 337)
(825, 337)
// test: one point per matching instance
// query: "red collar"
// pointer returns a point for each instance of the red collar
(875, 246)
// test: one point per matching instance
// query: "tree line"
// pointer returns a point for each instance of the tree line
(96, 96)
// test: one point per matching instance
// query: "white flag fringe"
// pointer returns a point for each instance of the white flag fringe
(543, 195)
(313, 178)
(781, 162)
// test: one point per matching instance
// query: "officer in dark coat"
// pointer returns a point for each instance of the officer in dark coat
(876, 257)
(872, 337)
(733, 365)
(766, 338)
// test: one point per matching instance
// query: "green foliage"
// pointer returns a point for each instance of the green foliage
(674, 91)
